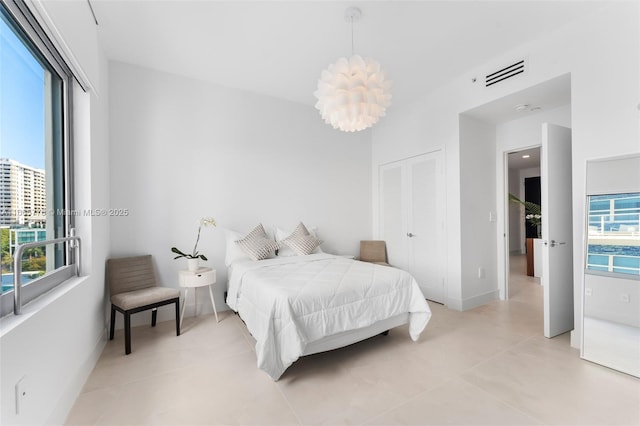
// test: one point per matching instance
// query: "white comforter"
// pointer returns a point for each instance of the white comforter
(291, 301)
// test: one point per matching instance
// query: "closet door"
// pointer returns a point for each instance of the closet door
(412, 219)
(425, 227)
(392, 213)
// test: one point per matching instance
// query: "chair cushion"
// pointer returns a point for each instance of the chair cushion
(146, 296)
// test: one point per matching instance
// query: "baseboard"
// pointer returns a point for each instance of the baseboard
(480, 299)
(575, 339)
(455, 304)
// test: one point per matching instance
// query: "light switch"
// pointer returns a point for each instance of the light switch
(21, 395)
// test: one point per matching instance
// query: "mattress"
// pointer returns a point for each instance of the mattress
(288, 303)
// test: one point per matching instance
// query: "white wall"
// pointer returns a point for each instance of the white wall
(182, 149)
(604, 115)
(515, 214)
(57, 341)
(478, 212)
(526, 132)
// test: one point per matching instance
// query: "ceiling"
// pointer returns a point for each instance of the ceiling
(532, 100)
(525, 159)
(279, 48)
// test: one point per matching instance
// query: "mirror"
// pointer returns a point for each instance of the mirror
(611, 298)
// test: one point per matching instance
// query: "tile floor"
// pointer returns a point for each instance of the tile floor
(487, 366)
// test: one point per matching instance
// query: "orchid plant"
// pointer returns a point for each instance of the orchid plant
(205, 221)
(534, 219)
(533, 211)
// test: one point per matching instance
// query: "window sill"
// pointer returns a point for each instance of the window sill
(11, 321)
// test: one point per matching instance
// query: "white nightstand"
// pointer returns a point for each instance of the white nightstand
(194, 279)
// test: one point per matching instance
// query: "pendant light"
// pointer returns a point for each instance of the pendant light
(353, 93)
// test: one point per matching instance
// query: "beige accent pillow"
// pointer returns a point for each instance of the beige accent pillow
(301, 241)
(257, 244)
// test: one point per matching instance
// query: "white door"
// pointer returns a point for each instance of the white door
(392, 213)
(412, 219)
(557, 233)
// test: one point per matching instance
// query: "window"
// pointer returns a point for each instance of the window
(613, 242)
(35, 177)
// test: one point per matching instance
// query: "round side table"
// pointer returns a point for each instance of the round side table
(194, 279)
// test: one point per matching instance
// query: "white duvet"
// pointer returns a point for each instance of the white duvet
(291, 301)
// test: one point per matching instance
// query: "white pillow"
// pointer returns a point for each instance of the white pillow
(300, 242)
(233, 253)
(257, 244)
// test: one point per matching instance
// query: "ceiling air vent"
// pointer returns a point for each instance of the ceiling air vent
(504, 73)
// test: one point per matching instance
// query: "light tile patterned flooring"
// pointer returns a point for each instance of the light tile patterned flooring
(487, 366)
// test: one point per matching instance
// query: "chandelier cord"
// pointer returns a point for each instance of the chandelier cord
(352, 43)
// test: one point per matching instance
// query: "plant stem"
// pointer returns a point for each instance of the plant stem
(197, 240)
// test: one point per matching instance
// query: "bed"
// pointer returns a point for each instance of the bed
(300, 305)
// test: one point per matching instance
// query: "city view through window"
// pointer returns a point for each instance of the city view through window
(26, 88)
(614, 233)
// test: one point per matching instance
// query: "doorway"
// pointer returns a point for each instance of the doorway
(556, 221)
(523, 183)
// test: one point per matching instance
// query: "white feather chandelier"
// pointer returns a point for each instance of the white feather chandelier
(353, 93)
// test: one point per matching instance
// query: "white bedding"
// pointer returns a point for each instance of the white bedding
(291, 301)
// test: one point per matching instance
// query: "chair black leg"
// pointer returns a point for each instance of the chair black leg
(177, 317)
(113, 322)
(127, 333)
(154, 316)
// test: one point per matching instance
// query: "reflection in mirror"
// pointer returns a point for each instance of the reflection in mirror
(613, 240)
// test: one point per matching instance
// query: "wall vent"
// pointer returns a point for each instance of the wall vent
(505, 73)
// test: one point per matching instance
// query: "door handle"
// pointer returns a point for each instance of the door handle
(554, 243)
(410, 235)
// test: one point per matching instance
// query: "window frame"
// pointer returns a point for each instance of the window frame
(25, 22)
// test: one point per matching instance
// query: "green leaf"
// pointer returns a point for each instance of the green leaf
(178, 252)
(203, 257)
(531, 208)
